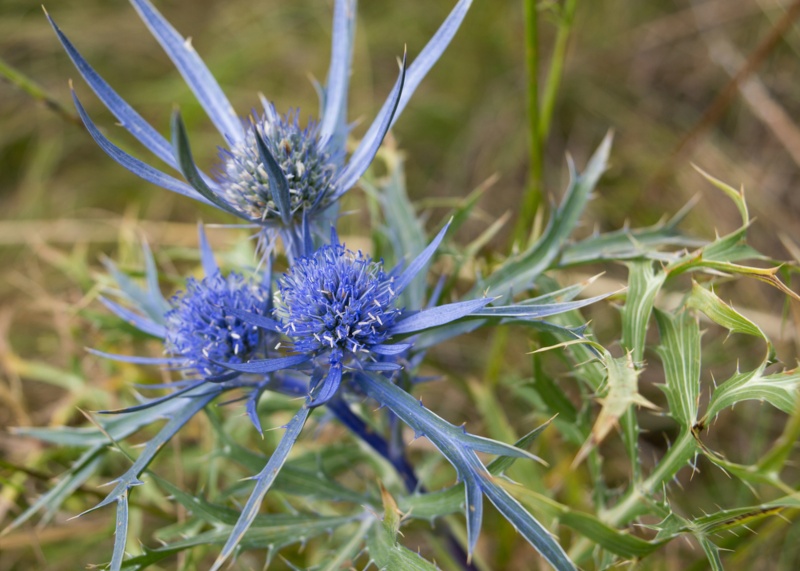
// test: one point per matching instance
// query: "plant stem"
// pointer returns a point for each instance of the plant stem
(27, 85)
(556, 67)
(533, 194)
(639, 496)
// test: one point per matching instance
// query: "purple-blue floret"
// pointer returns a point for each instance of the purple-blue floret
(339, 301)
(202, 330)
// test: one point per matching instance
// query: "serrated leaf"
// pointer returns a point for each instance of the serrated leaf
(191, 405)
(120, 532)
(264, 480)
(348, 551)
(737, 196)
(643, 285)
(212, 513)
(518, 273)
(712, 552)
(460, 449)
(117, 427)
(628, 244)
(738, 517)
(588, 525)
(382, 543)
(722, 313)
(276, 531)
(680, 354)
(77, 475)
(388, 555)
(779, 389)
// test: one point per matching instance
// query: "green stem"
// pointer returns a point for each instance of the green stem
(637, 499)
(555, 72)
(533, 195)
(33, 89)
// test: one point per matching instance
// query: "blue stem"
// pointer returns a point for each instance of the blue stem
(361, 429)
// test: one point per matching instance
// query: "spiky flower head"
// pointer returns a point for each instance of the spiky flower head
(337, 300)
(274, 174)
(308, 166)
(202, 329)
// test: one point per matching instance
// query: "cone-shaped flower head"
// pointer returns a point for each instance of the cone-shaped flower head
(202, 325)
(308, 166)
(338, 301)
(202, 329)
(274, 173)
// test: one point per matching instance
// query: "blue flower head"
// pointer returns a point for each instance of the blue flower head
(337, 301)
(309, 168)
(204, 327)
(202, 330)
(274, 173)
(339, 309)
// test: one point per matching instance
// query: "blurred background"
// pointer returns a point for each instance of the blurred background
(653, 72)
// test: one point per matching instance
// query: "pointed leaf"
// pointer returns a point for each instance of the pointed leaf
(519, 272)
(134, 358)
(120, 532)
(723, 314)
(275, 531)
(385, 551)
(680, 354)
(779, 389)
(255, 319)
(191, 405)
(79, 472)
(194, 72)
(459, 449)
(124, 113)
(325, 389)
(369, 145)
(436, 316)
(263, 366)
(263, 482)
(416, 266)
(334, 113)
(210, 266)
(431, 53)
(183, 152)
(643, 286)
(278, 183)
(436, 504)
(536, 311)
(137, 167)
(622, 393)
(142, 323)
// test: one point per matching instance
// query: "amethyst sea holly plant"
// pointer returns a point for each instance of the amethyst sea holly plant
(336, 328)
(329, 346)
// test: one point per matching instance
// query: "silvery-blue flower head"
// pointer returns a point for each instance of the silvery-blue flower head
(274, 173)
